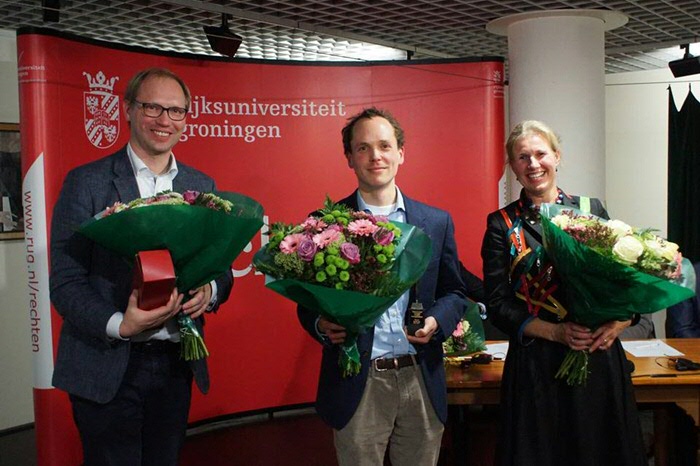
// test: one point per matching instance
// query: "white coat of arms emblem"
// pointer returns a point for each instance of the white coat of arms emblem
(101, 110)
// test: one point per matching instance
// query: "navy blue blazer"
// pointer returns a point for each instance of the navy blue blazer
(88, 283)
(683, 319)
(443, 295)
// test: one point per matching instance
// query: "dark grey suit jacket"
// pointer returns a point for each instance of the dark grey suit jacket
(443, 295)
(89, 283)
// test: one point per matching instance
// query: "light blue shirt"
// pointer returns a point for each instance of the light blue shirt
(389, 337)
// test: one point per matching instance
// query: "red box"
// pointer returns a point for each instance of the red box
(154, 277)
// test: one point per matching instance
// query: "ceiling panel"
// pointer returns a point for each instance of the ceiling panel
(344, 30)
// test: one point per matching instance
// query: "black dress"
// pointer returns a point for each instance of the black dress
(544, 421)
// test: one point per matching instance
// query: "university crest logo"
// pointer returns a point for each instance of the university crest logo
(101, 110)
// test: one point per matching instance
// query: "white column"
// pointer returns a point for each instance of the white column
(556, 67)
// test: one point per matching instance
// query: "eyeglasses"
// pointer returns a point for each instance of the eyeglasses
(154, 111)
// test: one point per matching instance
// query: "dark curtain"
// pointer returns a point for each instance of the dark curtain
(684, 175)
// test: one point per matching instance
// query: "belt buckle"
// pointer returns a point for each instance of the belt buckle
(375, 363)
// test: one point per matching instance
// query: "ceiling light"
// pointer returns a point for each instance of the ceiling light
(221, 39)
(51, 10)
(685, 66)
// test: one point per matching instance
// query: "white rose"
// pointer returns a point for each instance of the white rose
(619, 228)
(562, 221)
(655, 246)
(670, 250)
(662, 248)
(628, 249)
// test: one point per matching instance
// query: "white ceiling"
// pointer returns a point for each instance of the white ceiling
(342, 29)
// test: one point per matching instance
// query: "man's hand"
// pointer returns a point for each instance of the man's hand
(335, 333)
(137, 320)
(423, 335)
(199, 301)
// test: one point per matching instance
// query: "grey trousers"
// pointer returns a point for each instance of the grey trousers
(395, 410)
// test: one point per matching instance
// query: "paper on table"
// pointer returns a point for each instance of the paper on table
(649, 348)
(497, 350)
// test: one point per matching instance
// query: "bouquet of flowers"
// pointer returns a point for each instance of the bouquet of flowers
(468, 337)
(348, 266)
(610, 271)
(204, 233)
(209, 200)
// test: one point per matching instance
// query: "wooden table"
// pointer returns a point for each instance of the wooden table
(480, 384)
(653, 379)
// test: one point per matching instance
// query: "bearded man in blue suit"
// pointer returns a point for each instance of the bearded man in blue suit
(399, 398)
(129, 389)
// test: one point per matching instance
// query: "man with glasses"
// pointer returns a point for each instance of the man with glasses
(130, 391)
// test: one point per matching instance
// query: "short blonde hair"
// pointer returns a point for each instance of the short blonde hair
(528, 128)
(134, 85)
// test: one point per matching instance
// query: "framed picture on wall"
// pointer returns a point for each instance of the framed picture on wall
(11, 213)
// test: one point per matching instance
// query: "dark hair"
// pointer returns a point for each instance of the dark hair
(132, 89)
(368, 114)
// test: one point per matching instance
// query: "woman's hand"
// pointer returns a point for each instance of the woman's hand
(606, 334)
(576, 337)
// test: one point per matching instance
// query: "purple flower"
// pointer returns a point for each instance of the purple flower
(350, 252)
(383, 237)
(306, 250)
(190, 196)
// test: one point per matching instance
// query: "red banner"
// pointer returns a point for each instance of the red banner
(270, 130)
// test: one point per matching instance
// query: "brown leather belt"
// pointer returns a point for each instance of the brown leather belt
(385, 364)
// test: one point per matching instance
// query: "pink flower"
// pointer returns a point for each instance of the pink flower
(350, 252)
(190, 196)
(114, 208)
(675, 272)
(291, 242)
(326, 237)
(362, 227)
(313, 224)
(383, 237)
(459, 331)
(361, 214)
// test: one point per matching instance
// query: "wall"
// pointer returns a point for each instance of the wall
(16, 406)
(637, 148)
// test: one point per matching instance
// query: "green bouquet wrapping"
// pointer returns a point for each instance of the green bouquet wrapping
(204, 233)
(610, 271)
(348, 266)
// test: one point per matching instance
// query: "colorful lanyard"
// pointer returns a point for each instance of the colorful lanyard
(535, 291)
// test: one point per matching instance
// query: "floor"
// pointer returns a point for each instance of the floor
(292, 438)
(297, 438)
(17, 448)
